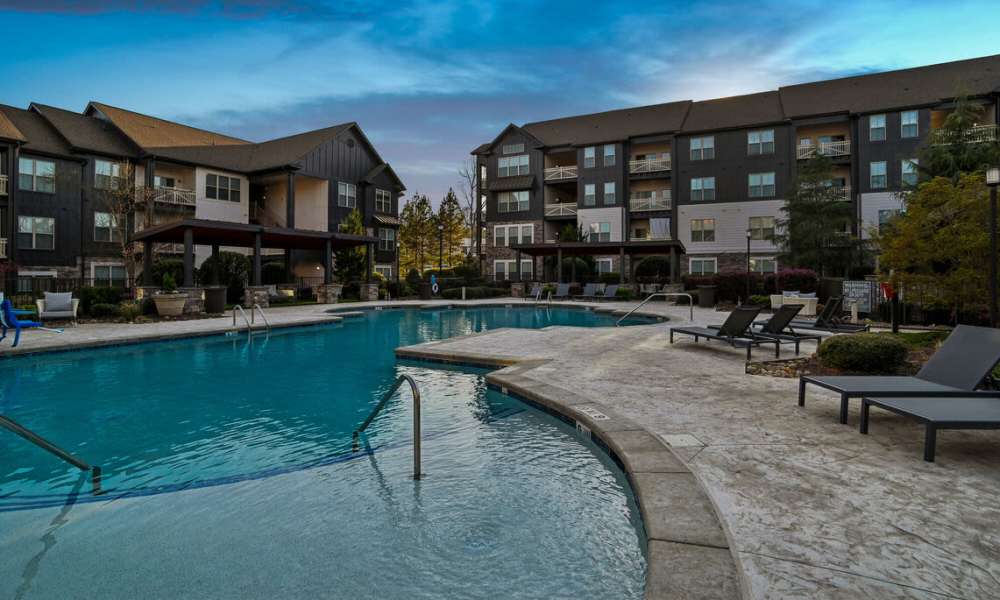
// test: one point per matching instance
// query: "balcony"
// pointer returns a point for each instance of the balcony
(561, 173)
(173, 195)
(564, 209)
(648, 165)
(975, 135)
(3, 185)
(650, 237)
(842, 148)
(843, 192)
(3, 247)
(662, 202)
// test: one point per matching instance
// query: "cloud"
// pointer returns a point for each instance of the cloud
(238, 9)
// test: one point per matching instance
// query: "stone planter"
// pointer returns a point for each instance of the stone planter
(329, 293)
(170, 305)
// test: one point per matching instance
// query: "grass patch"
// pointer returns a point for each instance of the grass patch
(917, 340)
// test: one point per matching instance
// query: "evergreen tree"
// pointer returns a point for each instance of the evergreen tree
(352, 263)
(956, 148)
(417, 231)
(450, 216)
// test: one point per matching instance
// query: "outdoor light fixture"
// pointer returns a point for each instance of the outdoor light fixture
(749, 235)
(992, 180)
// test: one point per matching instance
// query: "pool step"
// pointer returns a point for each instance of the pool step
(347, 314)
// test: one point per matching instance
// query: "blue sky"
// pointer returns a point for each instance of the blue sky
(428, 81)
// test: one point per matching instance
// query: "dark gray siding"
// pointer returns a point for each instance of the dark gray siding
(346, 159)
(536, 164)
(893, 150)
(600, 174)
(63, 206)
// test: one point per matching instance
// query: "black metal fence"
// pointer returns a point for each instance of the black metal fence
(23, 290)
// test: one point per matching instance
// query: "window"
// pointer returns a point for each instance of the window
(29, 282)
(384, 270)
(107, 175)
(599, 232)
(166, 182)
(609, 155)
(108, 275)
(703, 266)
(512, 148)
(909, 171)
(383, 201)
(886, 216)
(763, 265)
(220, 187)
(703, 148)
(605, 265)
(702, 230)
(347, 195)
(513, 165)
(702, 188)
(609, 192)
(504, 269)
(37, 175)
(761, 185)
(505, 236)
(512, 201)
(760, 142)
(589, 194)
(588, 157)
(106, 228)
(908, 127)
(36, 233)
(761, 228)
(878, 175)
(876, 128)
(386, 239)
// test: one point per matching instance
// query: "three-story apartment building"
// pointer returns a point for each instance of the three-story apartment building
(55, 165)
(712, 175)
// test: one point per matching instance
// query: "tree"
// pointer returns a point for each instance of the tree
(469, 187)
(416, 233)
(815, 231)
(121, 197)
(956, 148)
(352, 263)
(454, 231)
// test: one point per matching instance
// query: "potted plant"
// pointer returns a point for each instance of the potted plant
(169, 303)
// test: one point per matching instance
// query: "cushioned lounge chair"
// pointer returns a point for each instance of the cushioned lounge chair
(9, 321)
(562, 291)
(780, 328)
(610, 292)
(962, 362)
(735, 331)
(589, 292)
(57, 306)
(829, 319)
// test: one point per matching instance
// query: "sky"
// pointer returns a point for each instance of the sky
(428, 81)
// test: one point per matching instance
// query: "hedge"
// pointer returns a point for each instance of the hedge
(105, 310)
(863, 353)
(91, 296)
(474, 293)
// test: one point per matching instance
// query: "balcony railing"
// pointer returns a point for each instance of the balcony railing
(560, 173)
(648, 165)
(3, 247)
(173, 195)
(3, 185)
(843, 192)
(564, 209)
(975, 135)
(842, 148)
(650, 237)
(650, 203)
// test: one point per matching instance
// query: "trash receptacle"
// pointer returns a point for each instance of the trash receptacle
(706, 295)
(215, 300)
(425, 291)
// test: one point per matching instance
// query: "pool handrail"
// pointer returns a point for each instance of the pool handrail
(651, 296)
(257, 308)
(34, 438)
(237, 307)
(416, 419)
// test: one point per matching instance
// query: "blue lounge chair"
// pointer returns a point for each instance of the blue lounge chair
(9, 320)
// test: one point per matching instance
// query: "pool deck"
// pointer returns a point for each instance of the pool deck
(757, 497)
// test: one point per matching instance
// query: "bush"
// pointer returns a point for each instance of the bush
(233, 272)
(130, 310)
(413, 278)
(148, 306)
(863, 352)
(474, 293)
(168, 266)
(89, 296)
(105, 310)
(624, 294)
(609, 278)
(272, 273)
(764, 301)
(801, 280)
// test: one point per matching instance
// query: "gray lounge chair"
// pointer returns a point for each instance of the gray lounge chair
(735, 331)
(562, 291)
(779, 327)
(610, 292)
(589, 292)
(829, 319)
(962, 362)
(536, 292)
(941, 412)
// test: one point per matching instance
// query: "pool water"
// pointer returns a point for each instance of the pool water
(228, 472)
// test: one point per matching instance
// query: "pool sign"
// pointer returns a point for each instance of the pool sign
(594, 413)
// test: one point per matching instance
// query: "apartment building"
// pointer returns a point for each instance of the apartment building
(706, 178)
(56, 164)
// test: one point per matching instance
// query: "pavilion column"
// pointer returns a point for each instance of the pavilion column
(370, 256)
(216, 267)
(150, 185)
(674, 266)
(559, 265)
(328, 252)
(290, 203)
(147, 262)
(572, 269)
(621, 266)
(188, 257)
(256, 259)
(288, 265)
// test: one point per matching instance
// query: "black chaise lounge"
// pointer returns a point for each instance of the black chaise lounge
(941, 412)
(779, 327)
(829, 319)
(735, 331)
(962, 362)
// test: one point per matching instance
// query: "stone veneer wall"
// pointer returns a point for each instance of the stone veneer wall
(256, 295)
(491, 252)
(195, 304)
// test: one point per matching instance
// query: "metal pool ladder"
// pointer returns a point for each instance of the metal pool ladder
(257, 309)
(34, 438)
(665, 295)
(416, 419)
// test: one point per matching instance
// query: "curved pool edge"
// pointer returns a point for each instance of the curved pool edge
(348, 310)
(688, 548)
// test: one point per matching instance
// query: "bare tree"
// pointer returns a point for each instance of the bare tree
(469, 188)
(122, 197)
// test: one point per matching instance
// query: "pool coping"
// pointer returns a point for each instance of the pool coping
(454, 304)
(689, 554)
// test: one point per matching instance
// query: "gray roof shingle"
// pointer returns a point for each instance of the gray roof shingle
(86, 133)
(611, 125)
(734, 112)
(40, 135)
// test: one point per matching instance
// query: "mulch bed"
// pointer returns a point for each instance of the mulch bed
(809, 365)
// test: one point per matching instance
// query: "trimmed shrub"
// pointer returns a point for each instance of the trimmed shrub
(89, 296)
(624, 294)
(863, 352)
(413, 278)
(474, 293)
(148, 306)
(171, 266)
(758, 300)
(130, 310)
(609, 278)
(105, 310)
(801, 280)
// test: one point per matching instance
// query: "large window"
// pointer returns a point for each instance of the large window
(36, 233)
(386, 239)
(909, 171)
(760, 142)
(878, 180)
(506, 235)
(703, 148)
(513, 165)
(109, 275)
(761, 185)
(106, 228)
(220, 187)
(609, 192)
(908, 127)
(347, 195)
(37, 175)
(107, 174)
(504, 269)
(383, 201)
(512, 201)
(764, 265)
(885, 216)
(609, 155)
(703, 266)
(513, 148)
(599, 232)
(702, 230)
(605, 265)
(761, 228)
(589, 194)
(876, 128)
(702, 188)
(589, 159)
(384, 270)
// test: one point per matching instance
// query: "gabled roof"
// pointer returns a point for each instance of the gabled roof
(9, 131)
(40, 136)
(893, 89)
(86, 133)
(384, 167)
(610, 125)
(151, 132)
(502, 134)
(734, 112)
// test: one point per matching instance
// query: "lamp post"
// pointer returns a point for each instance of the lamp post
(992, 180)
(440, 248)
(749, 234)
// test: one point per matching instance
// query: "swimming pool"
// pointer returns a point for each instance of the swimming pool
(228, 472)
